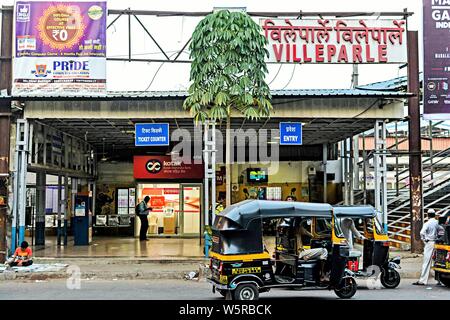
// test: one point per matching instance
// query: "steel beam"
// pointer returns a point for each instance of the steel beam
(5, 124)
(415, 151)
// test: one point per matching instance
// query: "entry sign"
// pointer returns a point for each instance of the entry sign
(290, 133)
(151, 134)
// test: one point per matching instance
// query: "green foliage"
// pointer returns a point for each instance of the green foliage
(228, 68)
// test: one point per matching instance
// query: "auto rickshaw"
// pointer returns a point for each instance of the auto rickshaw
(241, 267)
(441, 256)
(375, 246)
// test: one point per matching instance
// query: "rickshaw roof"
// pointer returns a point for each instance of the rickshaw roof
(245, 211)
(365, 211)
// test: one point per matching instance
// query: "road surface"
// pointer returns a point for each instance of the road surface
(192, 290)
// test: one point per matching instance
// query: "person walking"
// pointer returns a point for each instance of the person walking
(142, 212)
(428, 234)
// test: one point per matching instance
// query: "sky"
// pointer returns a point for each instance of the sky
(172, 33)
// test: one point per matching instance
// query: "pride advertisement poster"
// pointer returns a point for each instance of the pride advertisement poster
(59, 48)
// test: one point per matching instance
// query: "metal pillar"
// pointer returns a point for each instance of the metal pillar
(324, 163)
(344, 170)
(58, 230)
(430, 133)
(228, 160)
(380, 169)
(415, 151)
(74, 190)
(350, 170)
(364, 158)
(355, 166)
(5, 125)
(66, 207)
(19, 198)
(40, 207)
(209, 158)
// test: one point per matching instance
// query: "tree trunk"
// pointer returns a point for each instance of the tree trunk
(228, 162)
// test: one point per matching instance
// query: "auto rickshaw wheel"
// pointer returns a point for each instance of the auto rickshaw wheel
(346, 289)
(390, 278)
(247, 291)
(445, 280)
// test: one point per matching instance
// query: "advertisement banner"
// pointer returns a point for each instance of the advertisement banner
(164, 168)
(436, 66)
(59, 48)
(335, 41)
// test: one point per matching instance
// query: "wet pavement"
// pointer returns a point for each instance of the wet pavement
(123, 247)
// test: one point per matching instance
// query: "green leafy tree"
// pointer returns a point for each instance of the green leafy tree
(228, 71)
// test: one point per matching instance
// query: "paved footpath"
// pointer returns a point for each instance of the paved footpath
(169, 289)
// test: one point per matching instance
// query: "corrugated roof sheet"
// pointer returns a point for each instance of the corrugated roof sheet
(390, 88)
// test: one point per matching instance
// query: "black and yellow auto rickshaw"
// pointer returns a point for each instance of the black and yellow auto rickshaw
(375, 246)
(241, 267)
(441, 254)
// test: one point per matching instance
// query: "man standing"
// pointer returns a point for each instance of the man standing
(428, 234)
(142, 212)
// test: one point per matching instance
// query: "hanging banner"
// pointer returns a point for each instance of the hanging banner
(59, 48)
(335, 41)
(436, 66)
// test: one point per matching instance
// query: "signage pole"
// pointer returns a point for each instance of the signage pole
(415, 151)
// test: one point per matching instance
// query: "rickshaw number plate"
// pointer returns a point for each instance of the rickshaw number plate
(246, 270)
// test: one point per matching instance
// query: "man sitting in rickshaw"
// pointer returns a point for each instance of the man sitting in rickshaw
(310, 254)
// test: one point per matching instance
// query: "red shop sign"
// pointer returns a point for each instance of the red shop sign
(163, 167)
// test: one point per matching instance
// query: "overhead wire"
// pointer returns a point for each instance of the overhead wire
(292, 76)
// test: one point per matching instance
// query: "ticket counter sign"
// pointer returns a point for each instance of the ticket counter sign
(59, 48)
(151, 134)
(290, 133)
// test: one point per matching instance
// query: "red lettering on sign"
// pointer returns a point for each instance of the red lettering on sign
(278, 50)
(343, 54)
(357, 49)
(294, 54)
(288, 52)
(319, 53)
(368, 57)
(382, 53)
(331, 51)
(305, 54)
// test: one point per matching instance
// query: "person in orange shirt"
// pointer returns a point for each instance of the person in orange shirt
(22, 256)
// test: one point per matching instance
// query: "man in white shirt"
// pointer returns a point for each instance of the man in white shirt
(349, 230)
(428, 234)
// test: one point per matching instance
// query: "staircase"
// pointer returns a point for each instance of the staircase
(436, 195)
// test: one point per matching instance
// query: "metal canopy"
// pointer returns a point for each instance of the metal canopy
(354, 211)
(245, 211)
(118, 134)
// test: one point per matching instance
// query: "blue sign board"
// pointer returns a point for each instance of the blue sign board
(290, 133)
(151, 134)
